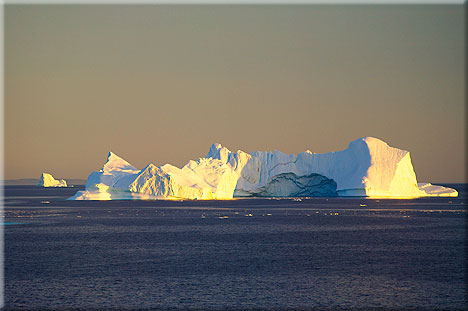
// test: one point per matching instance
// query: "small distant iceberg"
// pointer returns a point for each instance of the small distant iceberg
(47, 180)
(369, 167)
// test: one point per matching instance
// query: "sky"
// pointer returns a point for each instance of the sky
(159, 84)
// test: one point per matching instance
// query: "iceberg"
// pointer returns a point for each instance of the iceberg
(47, 180)
(369, 167)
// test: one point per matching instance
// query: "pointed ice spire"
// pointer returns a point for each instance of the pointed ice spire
(218, 152)
(114, 162)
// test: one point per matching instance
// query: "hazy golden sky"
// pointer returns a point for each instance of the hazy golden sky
(159, 84)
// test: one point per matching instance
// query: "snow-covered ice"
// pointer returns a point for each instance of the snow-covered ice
(47, 180)
(369, 167)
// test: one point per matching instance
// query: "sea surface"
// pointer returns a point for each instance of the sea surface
(265, 254)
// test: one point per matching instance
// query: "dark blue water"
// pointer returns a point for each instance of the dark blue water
(241, 254)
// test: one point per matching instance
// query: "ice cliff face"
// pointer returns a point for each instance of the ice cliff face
(48, 180)
(368, 167)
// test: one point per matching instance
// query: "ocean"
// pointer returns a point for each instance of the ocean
(254, 254)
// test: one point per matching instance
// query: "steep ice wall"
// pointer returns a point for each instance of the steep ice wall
(369, 167)
(47, 180)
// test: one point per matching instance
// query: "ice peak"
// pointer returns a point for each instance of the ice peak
(368, 141)
(218, 152)
(216, 146)
(114, 162)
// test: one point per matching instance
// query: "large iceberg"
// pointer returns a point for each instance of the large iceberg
(369, 167)
(47, 180)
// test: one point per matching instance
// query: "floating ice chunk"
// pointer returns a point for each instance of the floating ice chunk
(47, 180)
(437, 191)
